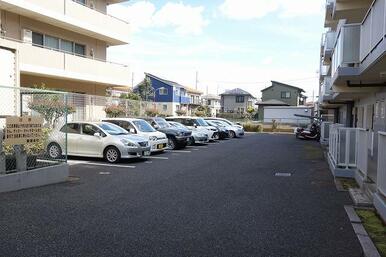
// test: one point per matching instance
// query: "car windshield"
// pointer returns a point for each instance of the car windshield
(162, 123)
(220, 123)
(177, 125)
(202, 122)
(113, 129)
(143, 126)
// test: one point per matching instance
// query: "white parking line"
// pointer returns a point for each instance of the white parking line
(178, 151)
(157, 157)
(71, 163)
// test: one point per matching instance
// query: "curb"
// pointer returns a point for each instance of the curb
(368, 247)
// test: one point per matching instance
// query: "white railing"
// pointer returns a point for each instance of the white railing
(346, 49)
(362, 148)
(343, 146)
(329, 42)
(372, 28)
(325, 132)
(381, 174)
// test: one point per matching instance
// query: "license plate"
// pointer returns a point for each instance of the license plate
(146, 153)
(161, 146)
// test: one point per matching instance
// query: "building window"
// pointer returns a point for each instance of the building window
(51, 42)
(83, 2)
(240, 99)
(80, 49)
(37, 39)
(163, 91)
(177, 91)
(285, 95)
(66, 46)
(165, 107)
(209, 102)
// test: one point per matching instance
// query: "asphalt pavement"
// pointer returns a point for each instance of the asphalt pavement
(262, 195)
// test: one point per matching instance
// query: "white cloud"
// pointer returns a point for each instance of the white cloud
(255, 9)
(185, 19)
(267, 60)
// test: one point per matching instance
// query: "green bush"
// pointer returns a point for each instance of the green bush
(250, 127)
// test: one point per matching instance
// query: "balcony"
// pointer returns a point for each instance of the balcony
(353, 11)
(345, 59)
(328, 46)
(72, 16)
(326, 92)
(328, 20)
(36, 60)
(185, 100)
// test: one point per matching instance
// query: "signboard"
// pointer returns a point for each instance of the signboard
(23, 130)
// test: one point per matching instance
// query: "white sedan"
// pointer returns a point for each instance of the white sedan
(97, 139)
(157, 140)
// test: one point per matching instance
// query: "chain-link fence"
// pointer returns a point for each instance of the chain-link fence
(30, 128)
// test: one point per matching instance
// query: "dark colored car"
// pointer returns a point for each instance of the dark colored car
(177, 137)
(223, 131)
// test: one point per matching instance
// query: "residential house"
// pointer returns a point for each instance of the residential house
(213, 103)
(169, 96)
(280, 94)
(236, 101)
(195, 100)
(352, 89)
(61, 44)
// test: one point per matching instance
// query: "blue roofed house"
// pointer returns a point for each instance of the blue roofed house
(169, 96)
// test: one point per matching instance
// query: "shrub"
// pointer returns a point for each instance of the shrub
(250, 127)
(181, 112)
(114, 111)
(151, 112)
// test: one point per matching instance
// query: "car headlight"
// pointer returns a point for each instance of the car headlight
(180, 134)
(128, 143)
(153, 138)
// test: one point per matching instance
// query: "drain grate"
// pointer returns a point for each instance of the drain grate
(283, 174)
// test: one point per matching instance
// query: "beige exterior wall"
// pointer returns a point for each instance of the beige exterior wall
(14, 25)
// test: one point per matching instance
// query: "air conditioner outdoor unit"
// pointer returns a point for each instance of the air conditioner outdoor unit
(27, 36)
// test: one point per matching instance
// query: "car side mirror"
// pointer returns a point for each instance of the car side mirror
(132, 131)
(97, 134)
(155, 126)
(238, 123)
(195, 125)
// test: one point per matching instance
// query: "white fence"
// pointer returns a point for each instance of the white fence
(362, 148)
(381, 176)
(343, 146)
(325, 132)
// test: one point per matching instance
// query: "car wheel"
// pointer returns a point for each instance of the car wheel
(112, 154)
(216, 136)
(191, 141)
(232, 134)
(172, 143)
(54, 151)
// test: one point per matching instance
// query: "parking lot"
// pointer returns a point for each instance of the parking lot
(220, 199)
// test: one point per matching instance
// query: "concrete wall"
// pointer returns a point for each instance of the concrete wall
(286, 114)
(275, 93)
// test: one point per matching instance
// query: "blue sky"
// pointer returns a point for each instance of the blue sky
(231, 43)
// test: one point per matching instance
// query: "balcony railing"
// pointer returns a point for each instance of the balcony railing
(81, 19)
(58, 63)
(362, 147)
(329, 44)
(381, 174)
(325, 132)
(347, 47)
(372, 28)
(343, 146)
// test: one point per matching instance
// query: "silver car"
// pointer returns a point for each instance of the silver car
(198, 137)
(235, 130)
(97, 139)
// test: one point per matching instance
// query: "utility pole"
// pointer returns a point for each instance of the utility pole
(218, 86)
(196, 80)
(132, 80)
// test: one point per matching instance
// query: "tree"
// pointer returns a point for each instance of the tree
(203, 111)
(51, 107)
(145, 89)
(131, 96)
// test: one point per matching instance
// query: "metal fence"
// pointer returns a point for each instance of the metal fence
(30, 123)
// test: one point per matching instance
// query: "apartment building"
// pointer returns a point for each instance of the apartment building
(61, 44)
(353, 91)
